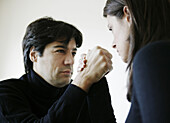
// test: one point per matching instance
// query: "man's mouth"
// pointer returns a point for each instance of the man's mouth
(68, 72)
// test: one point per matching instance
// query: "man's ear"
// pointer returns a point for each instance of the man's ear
(33, 54)
(127, 14)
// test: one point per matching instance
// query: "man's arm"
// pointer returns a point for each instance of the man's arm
(99, 102)
(98, 63)
(15, 108)
(69, 105)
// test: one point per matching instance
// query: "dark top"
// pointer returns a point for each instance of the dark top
(151, 84)
(31, 99)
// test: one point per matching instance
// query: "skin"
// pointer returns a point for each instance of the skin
(56, 64)
(98, 64)
(121, 30)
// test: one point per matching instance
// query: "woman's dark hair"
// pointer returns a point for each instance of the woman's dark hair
(44, 31)
(114, 8)
(150, 22)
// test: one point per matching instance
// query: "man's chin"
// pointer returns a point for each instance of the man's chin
(66, 81)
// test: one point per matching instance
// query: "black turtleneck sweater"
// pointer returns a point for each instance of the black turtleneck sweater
(31, 99)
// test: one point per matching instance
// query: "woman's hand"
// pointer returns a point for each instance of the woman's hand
(93, 66)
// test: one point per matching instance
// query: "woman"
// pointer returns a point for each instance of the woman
(141, 30)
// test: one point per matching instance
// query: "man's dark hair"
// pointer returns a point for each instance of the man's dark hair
(44, 31)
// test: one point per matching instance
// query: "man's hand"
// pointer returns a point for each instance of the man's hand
(93, 66)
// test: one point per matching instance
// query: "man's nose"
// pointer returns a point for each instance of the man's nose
(69, 59)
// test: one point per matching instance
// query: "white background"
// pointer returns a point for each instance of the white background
(86, 15)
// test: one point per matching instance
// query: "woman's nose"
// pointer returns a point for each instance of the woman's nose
(113, 45)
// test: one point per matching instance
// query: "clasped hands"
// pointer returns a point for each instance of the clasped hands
(92, 67)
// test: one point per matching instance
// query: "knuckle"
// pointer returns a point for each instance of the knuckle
(104, 59)
(100, 52)
(105, 66)
(110, 55)
(98, 47)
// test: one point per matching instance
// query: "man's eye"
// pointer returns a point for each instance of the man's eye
(60, 51)
(73, 53)
(110, 29)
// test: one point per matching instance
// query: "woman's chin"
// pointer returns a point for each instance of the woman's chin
(125, 60)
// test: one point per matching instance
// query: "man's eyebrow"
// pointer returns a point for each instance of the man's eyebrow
(62, 46)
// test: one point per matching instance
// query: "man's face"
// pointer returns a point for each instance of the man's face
(56, 64)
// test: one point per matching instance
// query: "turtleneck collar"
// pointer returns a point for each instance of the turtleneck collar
(40, 86)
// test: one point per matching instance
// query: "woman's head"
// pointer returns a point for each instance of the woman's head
(149, 22)
(119, 23)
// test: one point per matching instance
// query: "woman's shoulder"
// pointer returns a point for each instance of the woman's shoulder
(162, 44)
(157, 49)
(151, 63)
(151, 67)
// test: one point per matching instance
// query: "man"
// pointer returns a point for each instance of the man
(45, 94)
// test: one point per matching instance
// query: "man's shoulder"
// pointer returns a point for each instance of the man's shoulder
(10, 81)
(12, 84)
